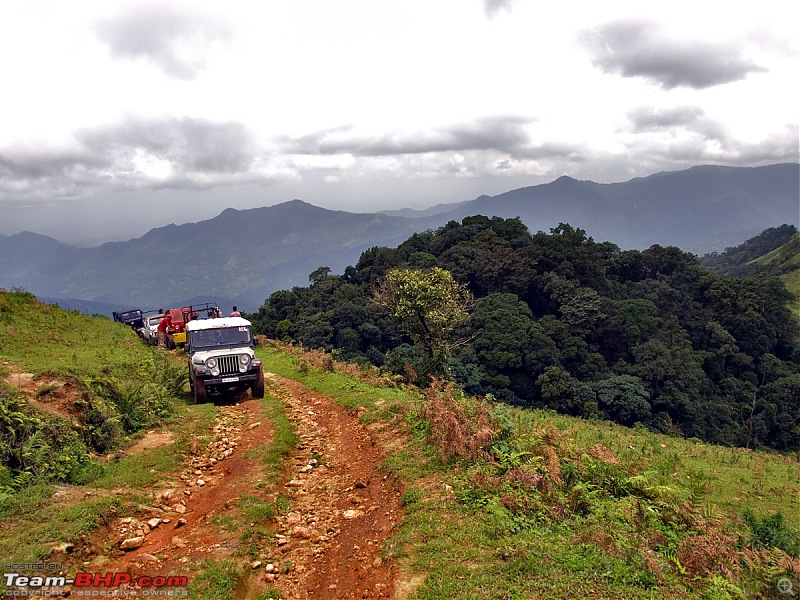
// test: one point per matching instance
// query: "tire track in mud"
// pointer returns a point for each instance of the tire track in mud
(344, 506)
(328, 546)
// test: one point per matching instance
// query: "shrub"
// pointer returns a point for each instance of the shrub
(458, 426)
(37, 446)
(772, 531)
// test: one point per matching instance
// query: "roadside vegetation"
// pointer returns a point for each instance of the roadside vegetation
(103, 386)
(72, 389)
(509, 503)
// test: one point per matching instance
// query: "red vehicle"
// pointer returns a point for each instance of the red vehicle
(178, 317)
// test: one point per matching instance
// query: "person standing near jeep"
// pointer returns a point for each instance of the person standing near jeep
(162, 331)
(236, 312)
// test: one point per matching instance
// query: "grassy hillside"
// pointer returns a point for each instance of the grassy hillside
(71, 389)
(774, 252)
(785, 263)
(72, 386)
(509, 503)
(500, 502)
(77, 395)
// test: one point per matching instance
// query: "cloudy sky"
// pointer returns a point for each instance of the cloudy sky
(120, 116)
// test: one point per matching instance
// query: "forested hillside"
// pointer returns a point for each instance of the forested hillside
(744, 258)
(773, 253)
(561, 321)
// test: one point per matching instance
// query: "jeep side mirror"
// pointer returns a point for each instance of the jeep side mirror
(255, 341)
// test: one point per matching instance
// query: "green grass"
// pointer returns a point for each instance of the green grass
(118, 378)
(121, 386)
(47, 339)
(284, 438)
(792, 282)
(349, 392)
(731, 478)
(31, 520)
(217, 580)
(545, 518)
(785, 262)
(192, 421)
(600, 529)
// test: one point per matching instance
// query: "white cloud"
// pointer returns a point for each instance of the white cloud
(177, 42)
(415, 102)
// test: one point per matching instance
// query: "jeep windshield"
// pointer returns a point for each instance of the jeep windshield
(130, 316)
(220, 336)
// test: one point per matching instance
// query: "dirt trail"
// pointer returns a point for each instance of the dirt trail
(345, 507)
(342, 510)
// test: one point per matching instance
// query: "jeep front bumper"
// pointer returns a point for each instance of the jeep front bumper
(228, 379)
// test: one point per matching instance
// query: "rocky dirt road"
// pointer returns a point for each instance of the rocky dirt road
(328, 545)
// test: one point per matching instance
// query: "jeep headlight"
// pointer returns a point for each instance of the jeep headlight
(244, 362)
(211, 363)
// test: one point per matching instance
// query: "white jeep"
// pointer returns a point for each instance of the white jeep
(222, 358)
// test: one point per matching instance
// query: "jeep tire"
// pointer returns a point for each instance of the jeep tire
(257, 389)
(199, 392)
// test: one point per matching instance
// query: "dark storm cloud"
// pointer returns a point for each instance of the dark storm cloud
(689, 118)
(190, 153)
(504, 134)
(28, 164)
(189, 145)
(173, 41)
(641, 49)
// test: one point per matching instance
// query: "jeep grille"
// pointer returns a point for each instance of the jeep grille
(228, 364)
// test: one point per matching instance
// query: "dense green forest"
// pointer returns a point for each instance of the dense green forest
(557, 320)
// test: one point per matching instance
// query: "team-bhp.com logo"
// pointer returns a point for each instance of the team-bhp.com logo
(85, 584)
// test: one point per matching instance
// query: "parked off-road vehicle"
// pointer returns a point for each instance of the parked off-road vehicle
(132, 317)
(222, 358)
(150, 329)
(179, 317)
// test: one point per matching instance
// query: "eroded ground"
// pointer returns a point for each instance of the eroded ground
(340, 507)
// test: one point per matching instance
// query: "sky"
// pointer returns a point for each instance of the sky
(119, 116)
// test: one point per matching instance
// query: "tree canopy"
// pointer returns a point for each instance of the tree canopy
(429, 305)
(563, 322)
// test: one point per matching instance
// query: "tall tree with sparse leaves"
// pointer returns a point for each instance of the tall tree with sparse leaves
(429, 304)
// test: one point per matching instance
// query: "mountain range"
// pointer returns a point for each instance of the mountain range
(241, 256)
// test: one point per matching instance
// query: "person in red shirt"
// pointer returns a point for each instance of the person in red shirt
(236, 312)
(162, 331)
